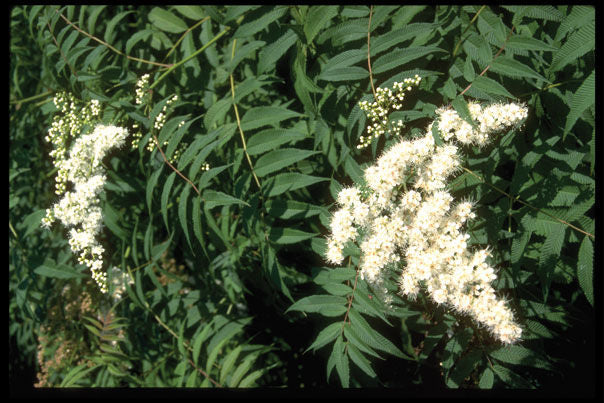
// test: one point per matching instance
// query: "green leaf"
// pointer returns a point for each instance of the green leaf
(490, 86)
(111, 218)
(283, 236)
(249, 381)
(165, 196)
(384, 42)
(266, 115)
(368, 306)
(337, 289)
(59, 271)
(463, 368)
(291, 209)
(109, 37)
(277, 159)
(216, 113)
(76, 374)
(341, 361)
(371, 337)
(398, 57)
(242, 370)
(461, 107)
(326, 336)
(584, 98)
(316, 19)
(511, 378)
(248, 29)
(578, 43)
(271, 53)
(228, 363)
(271, 139)
(515, 69)
(289, 181)
(518, 355)
(199, 339)
(243, 52)
(33, 221)
(151, 183)
(275, 271)
(353, 73)
(215, 198)
(344, 59)
(211, 173)
(182, 212)
(320, 304)
(354, 338)
(167, 21)
(436, 134)
(192, 12)
(478, 49)
(529, 43)
(359, 359)
(578, 17)
(213, 354)
(585, 267)
(486, 379)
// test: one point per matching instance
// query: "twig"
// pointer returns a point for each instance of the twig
(465, 30)
(32, 98)
(172, 166)
(517, 198)
(185, 34)
(109, 46)
(58, 47)
(369, 53)
(494, 58)
(351, 298)
(239, 121)
(174, 66)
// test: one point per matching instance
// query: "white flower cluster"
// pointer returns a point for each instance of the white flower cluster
(160, 119)
(422, 227)
(141, 88)
(493, 118)
(65, 125)
(378, 110)
(79, 208)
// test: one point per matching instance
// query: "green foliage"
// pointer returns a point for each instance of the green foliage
(220, 230)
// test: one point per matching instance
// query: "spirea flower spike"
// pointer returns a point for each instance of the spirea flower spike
(407, 215)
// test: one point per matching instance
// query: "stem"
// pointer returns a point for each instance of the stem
(517, 198)
(32, 98)
(174, 66)
(185, 34)
(465, 30)
(108, 45)
(494, 58)
(173, 168)
(249, 160)
(351, 298)
(369, 52)
(58, 47)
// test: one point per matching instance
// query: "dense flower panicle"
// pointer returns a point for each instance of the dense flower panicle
(66, 125)
(79, 208)
(423, 225)
(491, 119)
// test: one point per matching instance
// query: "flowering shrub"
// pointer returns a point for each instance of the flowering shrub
(303, 196)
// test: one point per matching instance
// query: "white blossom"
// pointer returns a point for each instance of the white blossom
(422, 226)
